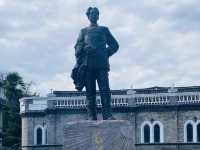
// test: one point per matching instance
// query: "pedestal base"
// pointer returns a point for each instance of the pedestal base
(99, 135)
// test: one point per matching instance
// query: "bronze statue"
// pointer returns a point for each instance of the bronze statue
(94, 46)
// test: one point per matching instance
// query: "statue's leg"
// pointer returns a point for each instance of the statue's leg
(103, 83)
(91, 95)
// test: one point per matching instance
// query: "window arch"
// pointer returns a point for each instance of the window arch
(189, 131)
(152, 132)
(157, 133)
(198, 132)
(40, 135)
(146, 132)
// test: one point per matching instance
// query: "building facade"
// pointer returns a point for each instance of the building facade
(163, 118)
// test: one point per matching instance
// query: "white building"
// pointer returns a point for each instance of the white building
(163, 117)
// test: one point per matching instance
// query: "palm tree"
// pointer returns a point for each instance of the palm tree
(14, 90)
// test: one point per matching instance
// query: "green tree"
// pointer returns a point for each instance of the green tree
(15, 88)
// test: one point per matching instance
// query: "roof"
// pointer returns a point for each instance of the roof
(150, 90)
(77, 93)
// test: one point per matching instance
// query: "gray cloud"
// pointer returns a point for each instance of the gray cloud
(159, 41)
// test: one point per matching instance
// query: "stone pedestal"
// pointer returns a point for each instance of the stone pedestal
(99, 135)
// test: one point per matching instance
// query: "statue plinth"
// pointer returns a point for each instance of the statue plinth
(98, 135)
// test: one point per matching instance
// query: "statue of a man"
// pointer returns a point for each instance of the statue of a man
(94, 46)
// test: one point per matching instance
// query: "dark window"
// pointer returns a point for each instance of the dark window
(146, 134)
(189, 133)
(157, 133)
(39, 136)
(198, 132)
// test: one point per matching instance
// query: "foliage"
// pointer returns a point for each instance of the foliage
(15, 88)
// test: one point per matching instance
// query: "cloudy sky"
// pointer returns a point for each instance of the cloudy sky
(159, 41)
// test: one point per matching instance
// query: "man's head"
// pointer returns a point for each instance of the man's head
(93, 14)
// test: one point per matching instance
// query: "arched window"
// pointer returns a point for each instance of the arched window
(39, 136)
(189, 130)
(152, 132)
(157, 133)
(146, 133)
(198, 132)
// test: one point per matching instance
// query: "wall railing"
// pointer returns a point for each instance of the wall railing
(129, 100)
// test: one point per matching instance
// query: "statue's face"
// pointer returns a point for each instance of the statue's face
(93, 16)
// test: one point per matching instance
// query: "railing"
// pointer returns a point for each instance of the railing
(167, 98)
(130, 100)
(152, 100)
(80, 102)
(70, 103)
(188, 99)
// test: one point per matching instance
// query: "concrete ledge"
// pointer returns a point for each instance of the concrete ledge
(42, 147)
(143, 144)
(169, 146)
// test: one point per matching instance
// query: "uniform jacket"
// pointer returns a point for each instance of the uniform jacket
(93, 48)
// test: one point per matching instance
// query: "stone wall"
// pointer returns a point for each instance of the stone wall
(185, 115)
(167, 118)
(188, 147)
(157, 147)
(172, 119)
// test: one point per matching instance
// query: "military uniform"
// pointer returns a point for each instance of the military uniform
(94, 46)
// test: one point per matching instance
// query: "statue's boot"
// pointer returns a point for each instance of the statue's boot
(91, 108)
(106, 105)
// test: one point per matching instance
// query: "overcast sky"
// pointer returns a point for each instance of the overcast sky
(159, 41)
